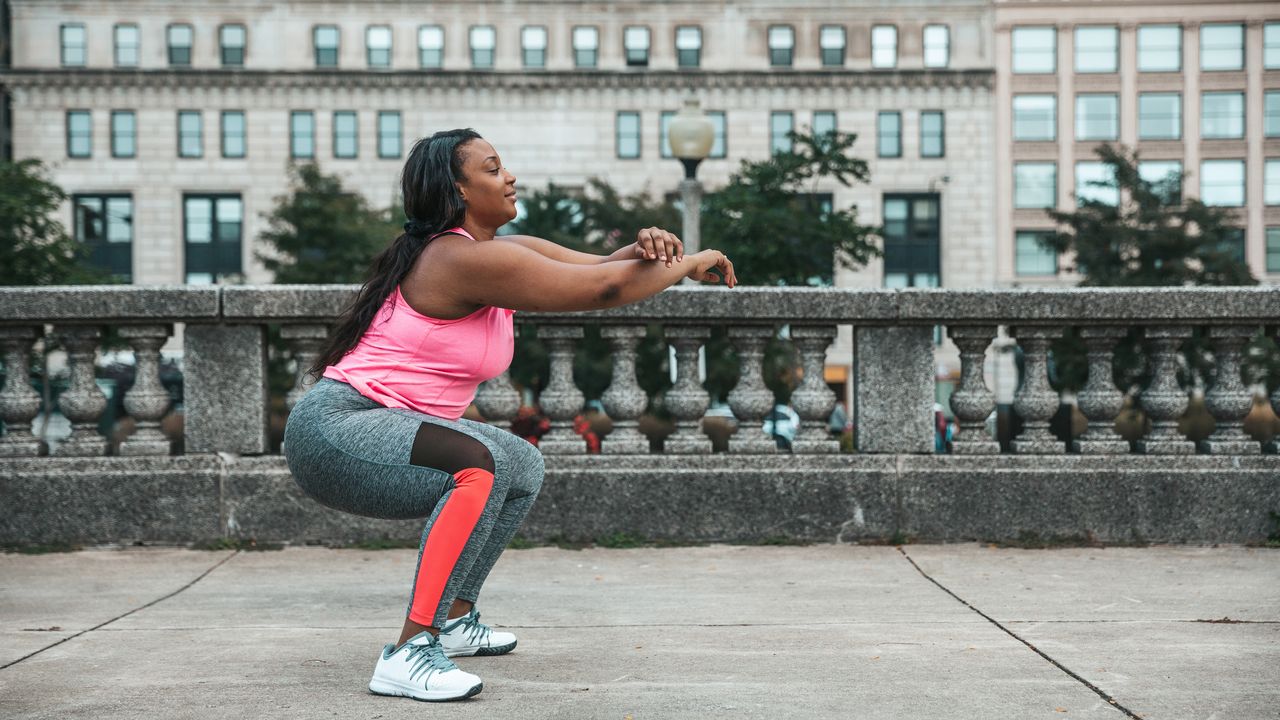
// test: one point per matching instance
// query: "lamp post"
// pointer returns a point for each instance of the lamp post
(691, 135)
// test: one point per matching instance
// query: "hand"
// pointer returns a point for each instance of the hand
(657, 244)
(708, 260)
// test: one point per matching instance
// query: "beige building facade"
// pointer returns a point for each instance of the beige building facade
(1193, 87)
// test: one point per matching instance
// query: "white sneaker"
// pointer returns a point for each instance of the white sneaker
(468, 636)
(420, 670)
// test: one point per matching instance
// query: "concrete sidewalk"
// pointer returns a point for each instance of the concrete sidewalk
(825, 631)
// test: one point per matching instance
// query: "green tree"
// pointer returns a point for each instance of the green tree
(319, 232)
(35, 248)
(1151, 237)
(771, 221)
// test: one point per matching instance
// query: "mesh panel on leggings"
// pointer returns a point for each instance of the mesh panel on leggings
(444, 449)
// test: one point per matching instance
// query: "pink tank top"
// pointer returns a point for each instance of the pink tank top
(408, 360)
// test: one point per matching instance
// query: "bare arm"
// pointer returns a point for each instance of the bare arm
(510, 275)
(651, 244)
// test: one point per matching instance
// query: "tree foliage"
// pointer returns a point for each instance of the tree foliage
(319, 232)
(770, 220)
(35, 248)
(1151, 237)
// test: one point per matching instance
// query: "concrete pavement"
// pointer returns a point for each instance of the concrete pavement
(823, 631)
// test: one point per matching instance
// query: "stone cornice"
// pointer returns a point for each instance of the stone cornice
(497, 80)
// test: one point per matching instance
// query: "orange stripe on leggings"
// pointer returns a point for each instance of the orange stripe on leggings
(447, 538)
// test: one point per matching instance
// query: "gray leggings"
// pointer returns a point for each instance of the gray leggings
(352, 454)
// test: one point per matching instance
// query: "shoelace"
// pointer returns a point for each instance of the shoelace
(428, 658)
(473, 630)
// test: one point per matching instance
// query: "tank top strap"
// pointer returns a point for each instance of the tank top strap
(458, 230)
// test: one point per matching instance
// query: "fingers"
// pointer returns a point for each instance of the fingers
(657, 244)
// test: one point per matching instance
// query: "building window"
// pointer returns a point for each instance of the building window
(431, 47)
(1273, 249)
(212, 227)
(127, 40)
(1035, 184)
(831, 41)
(377, 43)
(1233, 244)
(79, 134)
(533, 46)
(720, 145)
(884, 46)
(483, 40)
(1221, 47)
(688, 46)
(1221, 115)
(104, 223)
(1222, 183)
(1164, 177)
(1271, 113)
(1271, 46)
(180, 39)
(628, 135)
(1031, 256)
(664, 127)
(326, 40)
(302, 134)
(190, 134)
(635, 42)
(912, 238)
(1097, 49)
(1159, 48)
(1159, 116)
(345, 134)
(1271, 182)
(231, 39)
(389, 134)
(782, 43)
(73, 45)
(1097, 116)
(937, 46)
(889, 134)
(1035, 50)
(780, 126)
(932, 134)
(124, 134)
(586, 46)
(824, 123)
(1035, 117)
(233, 134)
(1096, 182)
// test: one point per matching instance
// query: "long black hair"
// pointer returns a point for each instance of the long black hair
(433, 204)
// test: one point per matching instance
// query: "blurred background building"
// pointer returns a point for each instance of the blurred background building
(172, 124)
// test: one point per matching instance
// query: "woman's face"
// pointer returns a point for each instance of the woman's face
(488, 189)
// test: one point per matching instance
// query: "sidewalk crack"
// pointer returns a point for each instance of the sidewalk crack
(202, 575)
(1101, 693)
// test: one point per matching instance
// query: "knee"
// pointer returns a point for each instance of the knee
(528, 475)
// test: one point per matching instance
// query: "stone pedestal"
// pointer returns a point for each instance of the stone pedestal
(624, 400)
(687, 400)
(750, 398)
(894, 389)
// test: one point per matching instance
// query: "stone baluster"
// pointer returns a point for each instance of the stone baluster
(498, 401)
(624, 400)
(1101, 401)
(750, 398)
(813, 399)
(304, 343)
(83, 402)
(687, 400)
(561, 400)
(19, 404)
(972, 402)
(147, 401)
(1274, 445)
(1036, 401)
(1228, 400)
(1164, 400)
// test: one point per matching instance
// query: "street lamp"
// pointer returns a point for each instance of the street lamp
(691, 135)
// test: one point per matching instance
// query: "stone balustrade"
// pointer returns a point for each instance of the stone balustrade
(226, 404)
